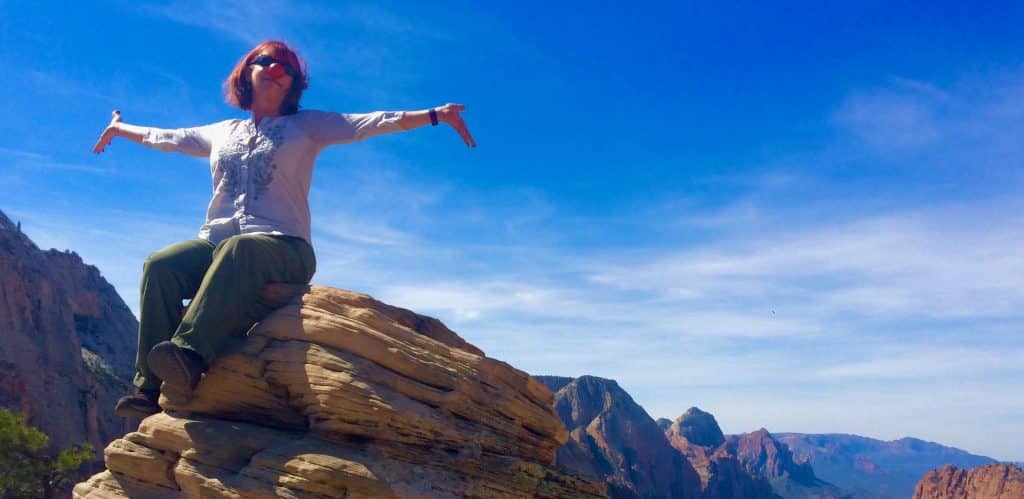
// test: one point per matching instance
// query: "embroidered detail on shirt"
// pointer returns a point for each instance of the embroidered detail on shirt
(261, 165)
(259, 162)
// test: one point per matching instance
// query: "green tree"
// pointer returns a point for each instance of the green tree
(27, 469)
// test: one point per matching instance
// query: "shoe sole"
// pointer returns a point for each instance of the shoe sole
(168, 363)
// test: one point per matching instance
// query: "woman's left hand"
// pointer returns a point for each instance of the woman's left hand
(449, 113)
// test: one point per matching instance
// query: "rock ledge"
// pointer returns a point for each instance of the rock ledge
(339, 395)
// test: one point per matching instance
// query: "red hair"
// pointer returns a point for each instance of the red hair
(238, 85)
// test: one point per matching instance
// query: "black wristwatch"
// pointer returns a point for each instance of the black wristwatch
(433, 117)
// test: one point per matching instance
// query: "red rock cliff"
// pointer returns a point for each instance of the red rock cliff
(67, 342)
(993, 481)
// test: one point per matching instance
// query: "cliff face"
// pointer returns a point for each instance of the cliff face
(67, 342)
(697, 427)
(613, 438)
(875, 468)
(767, 457)
(339, 395)
(762, 455)
(993, 481)
(697, 436)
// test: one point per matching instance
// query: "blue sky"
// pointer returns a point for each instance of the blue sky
(801, 217)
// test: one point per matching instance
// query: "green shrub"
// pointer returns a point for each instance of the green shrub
(27, 469)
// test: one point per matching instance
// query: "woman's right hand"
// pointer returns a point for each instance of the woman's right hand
(109, 133)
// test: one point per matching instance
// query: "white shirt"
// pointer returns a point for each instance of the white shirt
(261, 174)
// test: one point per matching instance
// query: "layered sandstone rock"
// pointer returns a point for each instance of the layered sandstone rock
(67, 342)
(339, 395)
(993, 481)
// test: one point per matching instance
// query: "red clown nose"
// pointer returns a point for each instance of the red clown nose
(275, 71)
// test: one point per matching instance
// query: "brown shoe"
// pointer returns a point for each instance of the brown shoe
(179, 367)
(141, 404)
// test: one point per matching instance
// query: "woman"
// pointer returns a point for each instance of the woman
(257, 228)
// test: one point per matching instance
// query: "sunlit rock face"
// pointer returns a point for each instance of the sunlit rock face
(67, 342)
(697, 436)
(993, 481)
(336, 394)
(613, 439)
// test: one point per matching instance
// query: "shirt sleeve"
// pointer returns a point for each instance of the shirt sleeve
(328, 128)
(195, 141)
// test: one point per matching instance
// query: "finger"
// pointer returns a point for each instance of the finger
(102, 143)
(464, 132)
(468, 135)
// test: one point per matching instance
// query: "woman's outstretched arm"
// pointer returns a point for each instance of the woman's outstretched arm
(194, 141)
(329, 128)
(118, 128)
(448, 113)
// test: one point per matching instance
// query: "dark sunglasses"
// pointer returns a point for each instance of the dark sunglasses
(266, 60)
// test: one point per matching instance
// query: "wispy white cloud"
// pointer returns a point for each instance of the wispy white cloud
(972, 123)
(52, 83)
(30, 160)
(927, 362)
(251, 23)
(934, 264)
(247, 22)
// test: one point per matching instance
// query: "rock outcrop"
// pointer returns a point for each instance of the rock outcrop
(339, 395)
(767, 457)
(613, 438)
(993, 481)
(67, 342)
(762, 455)
(697, 427)
(721, 474)
(663, 423)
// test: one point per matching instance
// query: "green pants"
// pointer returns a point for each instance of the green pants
(224, 282)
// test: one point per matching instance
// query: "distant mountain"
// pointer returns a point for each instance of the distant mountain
(721, 472)
(663, 423)
(765, 456)
(698, 427)
(67, 342)
(875, 469)
(992, 481)
(613, 438)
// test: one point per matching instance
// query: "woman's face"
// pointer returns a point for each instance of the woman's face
(270, 79)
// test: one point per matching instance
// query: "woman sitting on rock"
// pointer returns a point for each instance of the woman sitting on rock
(257, 228)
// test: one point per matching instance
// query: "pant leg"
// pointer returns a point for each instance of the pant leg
(169, 276)
(228, 301)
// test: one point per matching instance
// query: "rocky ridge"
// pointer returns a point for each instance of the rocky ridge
(764, 456)
(336, 394)
(872, 468)
(697, 436)
(68, 342)
(611, 437)
(993, 481)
